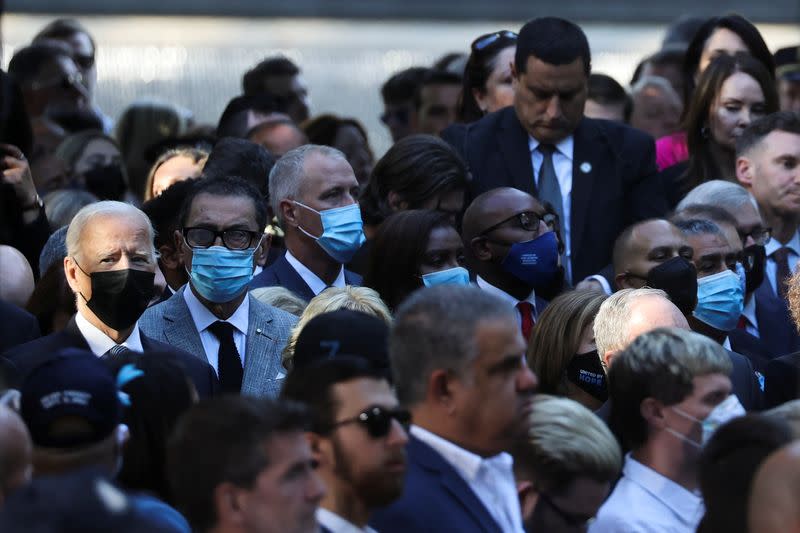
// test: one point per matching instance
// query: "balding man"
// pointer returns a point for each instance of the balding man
(513, 251)
(313, 192)
(775, 492)
(15, 452)
(16, 283)
(110, 266)
(654, 253)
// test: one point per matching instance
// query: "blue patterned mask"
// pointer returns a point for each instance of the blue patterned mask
(218, 274)
(720, 300)
(342, 231)
(451, 276)
(534, 262)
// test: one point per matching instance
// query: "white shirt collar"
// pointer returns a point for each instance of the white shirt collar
(464, 461)
(565, 147)
(337, 524)
(683, 503)
(312, 280)
(203, 318)
(793, 245)
(503, 295)
(99, 343)
(727, 344)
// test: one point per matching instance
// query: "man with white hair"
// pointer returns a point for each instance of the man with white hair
(110, 266)
(669, 391)
(656, 106)
(314, 192)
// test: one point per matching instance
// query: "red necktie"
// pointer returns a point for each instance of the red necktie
(526, 311)
(742, 324)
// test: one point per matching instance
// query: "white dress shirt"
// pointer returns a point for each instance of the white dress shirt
(562, 163)
(337, 524)
(491, 479)
(312, 280)
(644, 501)
(503, 295)
(203, 318)
(749, 313)
(794, 254)
(99, 343)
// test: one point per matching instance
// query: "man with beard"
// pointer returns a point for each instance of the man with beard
(357, 437)
(502, 230)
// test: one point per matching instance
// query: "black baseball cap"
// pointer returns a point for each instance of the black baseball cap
(787, 63)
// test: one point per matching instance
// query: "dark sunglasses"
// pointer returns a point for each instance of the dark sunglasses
(233, 239)
(485, 40)
(527, 220)
(377, 420)
(761, 236)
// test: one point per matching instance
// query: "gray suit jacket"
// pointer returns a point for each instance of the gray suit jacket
(267, 333)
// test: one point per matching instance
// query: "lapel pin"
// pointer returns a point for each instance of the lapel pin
(258, 330)
(586, 167)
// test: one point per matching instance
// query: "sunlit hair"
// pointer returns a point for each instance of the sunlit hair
(105, 209)
(197, 155)
(611, 322)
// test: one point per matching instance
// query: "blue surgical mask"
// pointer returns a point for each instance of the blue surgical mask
(451, 276)
(720, 300)
(723, 413)
(342, 231)
(534, 262)
(218, 274)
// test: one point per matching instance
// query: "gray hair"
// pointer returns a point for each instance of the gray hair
(280, 297)
(657, 82)
(435, 329)
(660, 364)
(62, 205)
(566, 440)
(725, 194)
(104, 208)
(286, 177)
(611, 323)
(697, 226)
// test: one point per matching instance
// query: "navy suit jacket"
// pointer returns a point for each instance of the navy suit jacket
(17, 326)
(745, 382)
(435, 499)
(22, 359)
(281, 273)
(783, 379)
(615, 180)
(775, 326)
(751, 347)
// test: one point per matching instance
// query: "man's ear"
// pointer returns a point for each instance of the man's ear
(169, 257)
(480, 249)
(228, 504)
(622, 281)
(528, 497)
(608, 357)
(288, 212)
(653, 412)
(71, 273)
(744, 171)
(440, 389)
(262, 252)
(396, 202)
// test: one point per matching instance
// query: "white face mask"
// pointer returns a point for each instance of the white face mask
(726, 411)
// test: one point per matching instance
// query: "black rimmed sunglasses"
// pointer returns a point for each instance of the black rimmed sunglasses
(527, 220)
(377, 420)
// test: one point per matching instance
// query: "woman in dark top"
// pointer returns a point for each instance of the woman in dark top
(487, 76)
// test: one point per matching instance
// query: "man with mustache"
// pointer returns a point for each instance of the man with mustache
(599, 175)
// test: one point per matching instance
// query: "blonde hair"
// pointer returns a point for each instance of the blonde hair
(793, 296)
(611, 322)
(362, 299)
(280, 297)
(198, 155)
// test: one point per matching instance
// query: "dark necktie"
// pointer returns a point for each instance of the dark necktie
(116, 351)
(526, 312)
(782, 272)
(229, 365)
(549, 189)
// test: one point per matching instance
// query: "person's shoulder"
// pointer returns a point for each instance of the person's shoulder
(791, 360)
(617, 131)
(160, 514)
(278, 316)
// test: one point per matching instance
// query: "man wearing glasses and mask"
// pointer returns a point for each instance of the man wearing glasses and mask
(222, 223)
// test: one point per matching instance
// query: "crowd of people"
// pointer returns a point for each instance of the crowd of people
(555, 304)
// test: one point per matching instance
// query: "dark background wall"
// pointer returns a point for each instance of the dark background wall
(780, 11)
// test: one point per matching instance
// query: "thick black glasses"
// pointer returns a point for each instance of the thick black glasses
(485, 40)
(761, 236)
(527, 220)
(233, 239)
(377, 420)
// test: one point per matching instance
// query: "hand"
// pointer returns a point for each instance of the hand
(17, 173)
(589, 285)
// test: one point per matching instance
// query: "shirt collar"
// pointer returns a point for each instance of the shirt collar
(500, 293)
(336, 523)
(203, 318)
(100, 343)
(466, 463)
(565, 147)
(314, 282)
(793, 245)
(684, 504)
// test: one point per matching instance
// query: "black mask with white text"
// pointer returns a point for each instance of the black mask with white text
(587, 373)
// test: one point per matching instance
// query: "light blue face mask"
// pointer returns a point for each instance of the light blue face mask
(451, 276)
(218, 274)
(720, 300)
(342, 231)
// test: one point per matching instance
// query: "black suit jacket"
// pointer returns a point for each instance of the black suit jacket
(745, 382)
(783, 379)
(17, 326)
(614, 178)
(22, 359)
(776, 328)
(281, 273)
(751, 347)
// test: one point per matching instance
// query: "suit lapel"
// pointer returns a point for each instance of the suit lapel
(290, 279)
(262, 359)
(512, 139)
(179, 328)
(586, 169)
(772, 315)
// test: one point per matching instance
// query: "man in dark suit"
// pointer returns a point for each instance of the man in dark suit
(313, 192)
(457, 357)
(110, 267)
(600, 176)
(17, 326)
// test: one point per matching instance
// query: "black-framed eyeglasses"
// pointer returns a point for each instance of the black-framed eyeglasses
(233, 239)
(761, 236)
(377, 420)
(527, 220)
(485, 40)
(580, 522)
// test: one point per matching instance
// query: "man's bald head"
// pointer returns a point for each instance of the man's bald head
(16, 283)
(15, 452)
(494, 206)
(775, 493)
(643, 246)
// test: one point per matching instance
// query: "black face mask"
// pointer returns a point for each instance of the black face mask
(678, 278)
(107, 183)
(586, 372)
(754, 260)
(119, 297)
